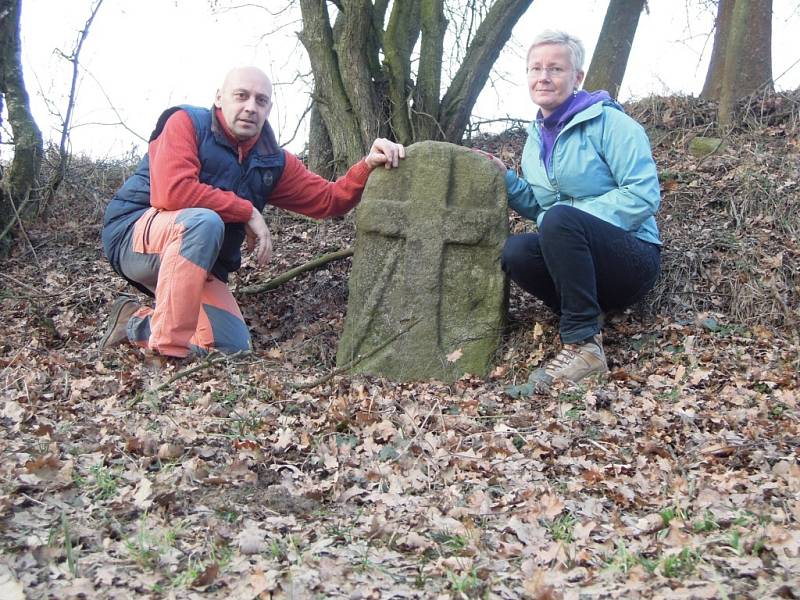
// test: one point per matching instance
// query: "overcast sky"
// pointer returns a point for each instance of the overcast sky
(143, 56)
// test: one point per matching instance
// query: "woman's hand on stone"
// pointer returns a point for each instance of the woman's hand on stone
(496, 162)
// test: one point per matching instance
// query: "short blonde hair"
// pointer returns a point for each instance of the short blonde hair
(573, 44)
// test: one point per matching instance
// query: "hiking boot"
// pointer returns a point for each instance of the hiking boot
(122, 310)
(573, 363)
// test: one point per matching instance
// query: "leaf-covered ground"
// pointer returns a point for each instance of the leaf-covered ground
(677, 476)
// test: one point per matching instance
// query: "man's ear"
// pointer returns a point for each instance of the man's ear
(579, 78)
(218, 99)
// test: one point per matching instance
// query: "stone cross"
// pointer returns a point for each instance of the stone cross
(426, 268)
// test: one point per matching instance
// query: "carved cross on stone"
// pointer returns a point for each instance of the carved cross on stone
(429, 237)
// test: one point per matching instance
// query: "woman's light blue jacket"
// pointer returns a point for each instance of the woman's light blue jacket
(602, 164)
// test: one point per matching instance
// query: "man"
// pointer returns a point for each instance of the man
(175, 228)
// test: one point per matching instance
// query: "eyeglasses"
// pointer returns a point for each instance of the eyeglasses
(549, 71)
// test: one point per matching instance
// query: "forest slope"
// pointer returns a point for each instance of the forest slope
(676, 476)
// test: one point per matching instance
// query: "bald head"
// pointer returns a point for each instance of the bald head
(245, 99)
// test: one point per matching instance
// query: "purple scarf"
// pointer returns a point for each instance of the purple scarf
(552, 125)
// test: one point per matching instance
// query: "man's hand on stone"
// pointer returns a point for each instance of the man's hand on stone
(386, 153)
(259, 240)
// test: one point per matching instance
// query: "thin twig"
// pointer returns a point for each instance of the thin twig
(788, 318)
(361, 357)
(18, 217)
(299, 123)
(25, 285)
(208, 362)
(419, 431)
(13, 219)
(113, 108)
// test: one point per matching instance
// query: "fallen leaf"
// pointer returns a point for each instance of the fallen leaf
(207, 577)
(141, 498)
(251, 542)
(650, 523)
(455, 355)
(169, 451)
(285, 437)
(10, 586)
(415, 541)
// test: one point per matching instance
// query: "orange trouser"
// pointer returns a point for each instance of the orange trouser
(171, 253)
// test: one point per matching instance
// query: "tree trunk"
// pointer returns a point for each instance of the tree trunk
(379, 9)
(610, 57)
(320, 151)
(398, 42)
(748, 55)
(330, 96)
(359, 98)
(722, 27)
(24, 170)
(351, 50)
(429, 76)
(752, 57)
(491, 36)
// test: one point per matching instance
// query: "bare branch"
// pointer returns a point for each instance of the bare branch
(113, 108)
(73, 58)
(59, 173)
(292, 273)
(16, 218)
(299, 123)
(490, 37)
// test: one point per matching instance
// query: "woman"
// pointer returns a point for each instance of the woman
(589, 181)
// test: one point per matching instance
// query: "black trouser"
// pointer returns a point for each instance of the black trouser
(580, 266)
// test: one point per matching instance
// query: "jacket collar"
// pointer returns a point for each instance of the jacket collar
(264, 146)
(592, 112)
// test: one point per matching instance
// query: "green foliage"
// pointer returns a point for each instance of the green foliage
(705, 524)
(735, 542)
(575, 398)
(561, 528)
(277, 550)
(246, 425)
(143, 547)
(68, 545)
(228, 515)
(778, 410)
(623, 559)
(100, 484)
(450, 543)
(150, 547)
(681, 565)
(671, 395)
(672, 512)
(464, 583)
